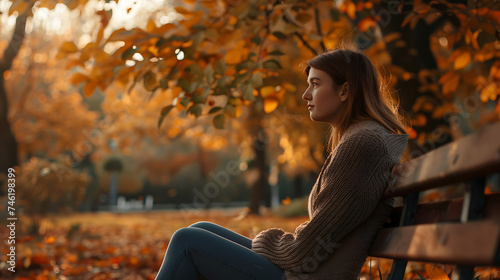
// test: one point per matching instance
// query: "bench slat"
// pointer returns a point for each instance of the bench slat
(475, 155)
(473, 243)
(450, 210)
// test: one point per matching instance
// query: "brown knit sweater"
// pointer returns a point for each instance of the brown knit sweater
(345, 208)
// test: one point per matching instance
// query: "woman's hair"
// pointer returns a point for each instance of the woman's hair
(369, 96)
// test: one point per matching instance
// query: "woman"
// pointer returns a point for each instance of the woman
(345, 205)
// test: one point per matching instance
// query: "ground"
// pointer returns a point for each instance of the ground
(132, 245)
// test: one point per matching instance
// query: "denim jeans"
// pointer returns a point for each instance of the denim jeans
(216, 253)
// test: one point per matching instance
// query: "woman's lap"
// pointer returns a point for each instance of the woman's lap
(216, 253)
(224, 232)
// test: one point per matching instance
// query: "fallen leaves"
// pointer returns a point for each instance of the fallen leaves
(132, 246)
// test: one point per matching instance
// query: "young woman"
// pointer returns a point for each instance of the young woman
(345, 204)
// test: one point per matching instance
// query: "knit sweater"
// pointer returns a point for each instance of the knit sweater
(345, 208)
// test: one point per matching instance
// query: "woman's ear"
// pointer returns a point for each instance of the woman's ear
(346, 87)
(345, 92)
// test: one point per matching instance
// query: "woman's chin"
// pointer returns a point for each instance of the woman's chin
(319, 120)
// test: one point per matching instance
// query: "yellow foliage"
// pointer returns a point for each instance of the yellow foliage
(266, 91)
(89, 88)
(232, 20)
(78, 78)
(270, 104)
(490, 92)
(351, 10)
(462, 60)
(151, 26)
(237, 54)
(286, 201)
(419, 120)
(124, 75)
(435, 272)
(69, 47)
(289, 87)
(47, 185)
(238, 111)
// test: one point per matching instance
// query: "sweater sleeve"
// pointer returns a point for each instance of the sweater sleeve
(351, 188)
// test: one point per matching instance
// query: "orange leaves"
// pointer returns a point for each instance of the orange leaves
(450, 82)
(69, 47)
(237, 54)
(151, 26)
(122, 35)
(266, 91)
(50, 239)
(412, 134)
(89, 88)
(273, 95)
(66, 49)
(471, 38)
(490, 92)
(419, 120)
(78, 78)
(366, 23)
(232, 20)
(286, 201)
(270, 104)
(124, 75)
(135, 243)
(495, 72)
(435, 272)
(462, 60)
(183, 11)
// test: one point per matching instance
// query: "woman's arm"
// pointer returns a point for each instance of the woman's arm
(352, 186)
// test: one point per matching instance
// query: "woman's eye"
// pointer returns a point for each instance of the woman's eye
(314, 84)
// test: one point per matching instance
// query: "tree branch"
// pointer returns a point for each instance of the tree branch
(305, 43)
(318, 27)
(297, 34)
(15, 43)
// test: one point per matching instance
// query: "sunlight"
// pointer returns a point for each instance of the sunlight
(135, 13)
(179, 54)
(51, 21)
(60, 20)
(138, 57)
(130, 63)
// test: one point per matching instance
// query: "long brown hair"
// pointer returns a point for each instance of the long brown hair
(369, 97)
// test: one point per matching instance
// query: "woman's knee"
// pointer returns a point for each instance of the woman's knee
(203, 225)
(183, 235)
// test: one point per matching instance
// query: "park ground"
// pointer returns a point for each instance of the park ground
(131, 246)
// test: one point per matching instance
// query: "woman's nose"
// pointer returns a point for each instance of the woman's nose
(306, 95)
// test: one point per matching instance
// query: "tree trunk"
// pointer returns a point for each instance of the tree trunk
(8, 144)
(297, 186)
(260, 188)
(413, 56)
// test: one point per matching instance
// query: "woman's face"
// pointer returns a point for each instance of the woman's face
(323, 97)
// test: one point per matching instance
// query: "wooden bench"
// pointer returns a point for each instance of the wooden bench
(464, 231)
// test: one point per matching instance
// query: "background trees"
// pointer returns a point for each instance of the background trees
(239, 60)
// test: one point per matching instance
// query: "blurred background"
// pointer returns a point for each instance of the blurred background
(127, 111)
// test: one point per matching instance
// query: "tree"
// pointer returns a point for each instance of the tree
(233, 51)
(23, 10)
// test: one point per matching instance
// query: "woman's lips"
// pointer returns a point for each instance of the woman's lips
(309, 107)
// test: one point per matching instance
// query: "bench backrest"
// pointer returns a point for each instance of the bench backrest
(463, 231)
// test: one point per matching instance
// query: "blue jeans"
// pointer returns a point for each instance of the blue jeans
(216, 253)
